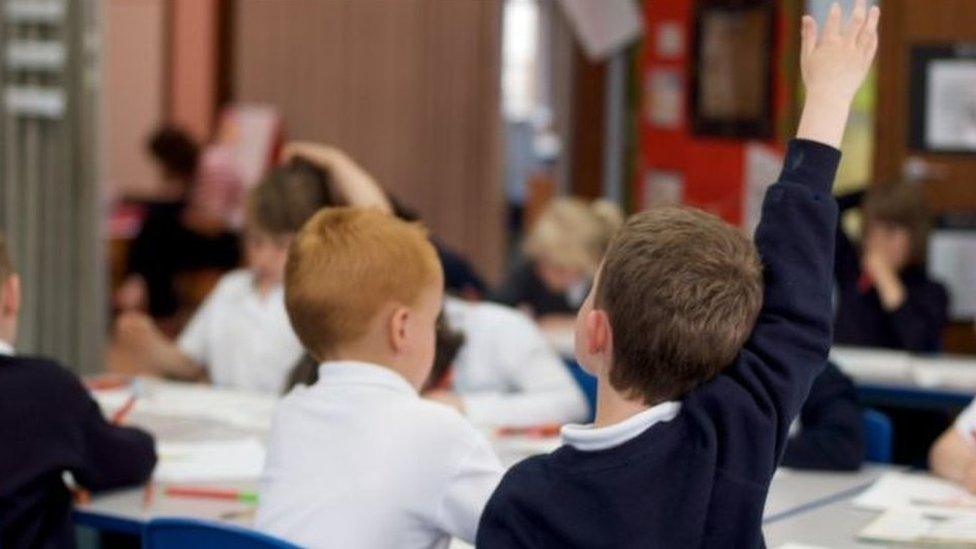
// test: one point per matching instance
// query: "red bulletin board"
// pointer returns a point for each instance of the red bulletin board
(711, 169)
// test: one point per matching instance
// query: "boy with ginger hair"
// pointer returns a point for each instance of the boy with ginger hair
(703, 354)
(359, 459)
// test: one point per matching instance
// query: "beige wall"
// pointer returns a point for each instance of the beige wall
(134, 88)
(408, 87)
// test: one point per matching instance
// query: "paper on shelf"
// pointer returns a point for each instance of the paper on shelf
(209, 461)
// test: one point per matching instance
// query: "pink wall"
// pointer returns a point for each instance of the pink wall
(193, 65)
(135, 91)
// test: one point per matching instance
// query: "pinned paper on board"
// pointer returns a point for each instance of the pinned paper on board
(664, 98)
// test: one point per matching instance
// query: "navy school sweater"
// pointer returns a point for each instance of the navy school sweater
(50, 424)
(700, 480)
(831, 436)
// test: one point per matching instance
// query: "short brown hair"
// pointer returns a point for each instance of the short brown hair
(345, 265)
(6, 265)
(287, 197)
(683, 290)
(903, 205)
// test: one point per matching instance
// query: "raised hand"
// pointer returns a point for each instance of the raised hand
(834, 62)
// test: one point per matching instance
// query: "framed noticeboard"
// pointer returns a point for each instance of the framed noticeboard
(942, 98)
(732, 80)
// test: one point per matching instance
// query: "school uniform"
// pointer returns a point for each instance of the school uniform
(360, 460)
(243, 339)
(695, 472)
(506, 372)
(861, 320)
(830, 430)
(50, 425)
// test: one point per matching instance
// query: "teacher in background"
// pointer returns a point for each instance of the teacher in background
(886, 298)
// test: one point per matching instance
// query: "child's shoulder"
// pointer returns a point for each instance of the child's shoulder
(41, 376)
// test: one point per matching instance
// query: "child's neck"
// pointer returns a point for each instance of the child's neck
(613, 407)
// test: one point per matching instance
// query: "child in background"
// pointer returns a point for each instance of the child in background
(829, 433)
(359, 459)
(703, 356)
(240, 336)
(953, 456)
(174, 239)
(886, 297)
(563, 249)
(51, 425)
(506, 373)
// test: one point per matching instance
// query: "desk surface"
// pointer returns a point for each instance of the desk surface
(793, 495)
(835, 525)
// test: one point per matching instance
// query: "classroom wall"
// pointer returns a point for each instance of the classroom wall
(193, 65)
(712, 171)
(409, 87)
(135, 90)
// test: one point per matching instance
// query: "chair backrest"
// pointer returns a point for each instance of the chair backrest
(878, 436)
(177, 533)
(585, 381)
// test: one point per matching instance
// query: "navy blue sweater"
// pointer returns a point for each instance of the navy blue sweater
(49, 424)
(831, 436)
(700, 480)
(861, 320)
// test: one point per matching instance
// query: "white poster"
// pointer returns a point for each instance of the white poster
(950, 105)
(604, 26)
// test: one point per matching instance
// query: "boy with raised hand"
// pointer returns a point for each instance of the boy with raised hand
(359, 459)
(703, 355)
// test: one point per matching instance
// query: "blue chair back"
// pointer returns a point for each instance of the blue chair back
(878, 436)
(176, 533)
(586, 383)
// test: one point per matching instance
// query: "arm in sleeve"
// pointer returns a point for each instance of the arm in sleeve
(918, 323)
(468, 488)
(111, 456)
(791, 340)
(832, 433)
(541, 389)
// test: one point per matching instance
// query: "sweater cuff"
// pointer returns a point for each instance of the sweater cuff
(812, 164)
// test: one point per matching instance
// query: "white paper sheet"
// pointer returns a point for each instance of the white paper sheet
(917, 491)
(914, 526)
(209, 461)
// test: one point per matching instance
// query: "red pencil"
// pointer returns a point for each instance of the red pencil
(120, 414)
(211, 493)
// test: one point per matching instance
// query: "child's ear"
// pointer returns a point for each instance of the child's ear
(398, 328)
(10, 297)
(598, 335)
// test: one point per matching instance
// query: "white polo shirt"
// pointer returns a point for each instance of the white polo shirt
(243, 338)
(6, 348)
(506, 372)
(360, 460)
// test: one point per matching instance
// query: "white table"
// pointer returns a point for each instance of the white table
(793, 494)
